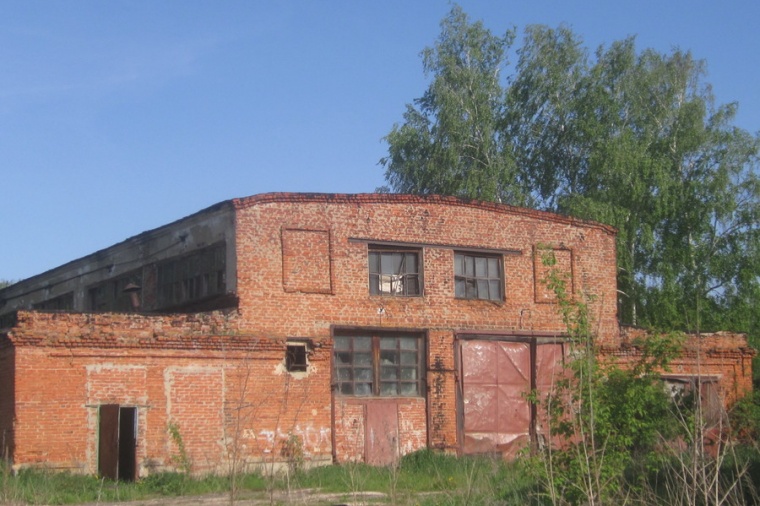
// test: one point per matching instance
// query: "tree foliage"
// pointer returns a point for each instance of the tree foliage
(630, 138)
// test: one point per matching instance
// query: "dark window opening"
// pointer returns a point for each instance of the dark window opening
(111, 295)
(63, 302)
(478, 277)
(395, 272)
(192, 277)
(384, 365)
(296, 357)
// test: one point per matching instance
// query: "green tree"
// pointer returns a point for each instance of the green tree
(629, 138)
(452, 141)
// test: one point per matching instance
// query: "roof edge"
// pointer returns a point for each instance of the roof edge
(403, 198)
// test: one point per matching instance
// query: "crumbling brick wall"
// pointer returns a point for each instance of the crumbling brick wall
(303, 271)
(225, 391)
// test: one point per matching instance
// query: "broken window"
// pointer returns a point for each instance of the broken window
(394, 272)
(385, 365)
(296, 357)
(478, 276)
(193, 277)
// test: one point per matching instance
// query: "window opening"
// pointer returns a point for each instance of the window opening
(296, 357)
(385, 365)
(478, 277)
(394, 272)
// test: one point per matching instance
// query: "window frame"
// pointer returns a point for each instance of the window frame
(376, 273)
(296, 356)
(472, 278)
(372, 368)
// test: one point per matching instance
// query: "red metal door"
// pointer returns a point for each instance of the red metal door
(496, 376)
(381, 436)
(549, 369)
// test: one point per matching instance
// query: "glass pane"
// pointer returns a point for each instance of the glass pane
(493, 267)
(409, 389)
(363, 359)
(374, 262)
(362, 343)
(388, 373)
(363, 389)
(469, 266)
(495, 289)
(409, 373)
(408, 343)
(471, 289)
(459, 290)
(343, 373)
(341, 343)
(374, 284)
(458, 265)
(481, 267)
(347, 388)
(388, 389)
(388, 343)
(411, 263)
(483, 289)
(389, 357)
(343, 357)
(363, 374)
(409, 358)
(412, 285)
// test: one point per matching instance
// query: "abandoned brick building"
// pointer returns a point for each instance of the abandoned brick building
(327, 327)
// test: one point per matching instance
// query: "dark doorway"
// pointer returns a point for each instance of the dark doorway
(117, 442)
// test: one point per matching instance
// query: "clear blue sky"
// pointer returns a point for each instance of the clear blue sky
(120, 116)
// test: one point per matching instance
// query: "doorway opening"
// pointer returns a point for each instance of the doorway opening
(117, 442)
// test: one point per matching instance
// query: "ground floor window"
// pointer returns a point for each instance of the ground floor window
(378, 364)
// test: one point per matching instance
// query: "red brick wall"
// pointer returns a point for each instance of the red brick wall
(725, 356)
(265, 228)
(225, 391)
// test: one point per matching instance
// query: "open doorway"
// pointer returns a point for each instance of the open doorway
(117, 442)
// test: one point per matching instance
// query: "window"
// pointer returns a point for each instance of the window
(394, 272)
(192, 277)
(385, 365)
(295, 357)
(478, 277)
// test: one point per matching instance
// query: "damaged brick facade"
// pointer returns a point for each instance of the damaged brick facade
(397, 300)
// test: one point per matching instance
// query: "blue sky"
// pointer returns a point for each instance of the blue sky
(117, 117)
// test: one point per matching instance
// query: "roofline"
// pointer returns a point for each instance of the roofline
(399, 198)
(343, 198)
(135, 238)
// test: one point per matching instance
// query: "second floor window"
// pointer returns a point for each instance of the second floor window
(395, 272)
(478, 277)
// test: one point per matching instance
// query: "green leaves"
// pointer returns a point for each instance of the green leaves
(625, 137)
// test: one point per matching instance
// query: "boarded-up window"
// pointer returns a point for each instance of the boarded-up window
(550, 265)
(306, 261)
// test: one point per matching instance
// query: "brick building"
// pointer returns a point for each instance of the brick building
(315, 326)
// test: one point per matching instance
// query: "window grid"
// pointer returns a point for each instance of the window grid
(395, 272)
(478, 277)
(378, 365)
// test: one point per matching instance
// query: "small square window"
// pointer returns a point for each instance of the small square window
(478, 277)
(295, 357)
(395, 272)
